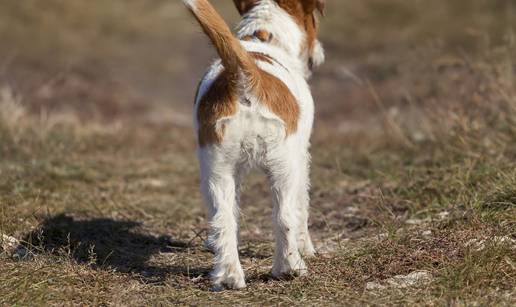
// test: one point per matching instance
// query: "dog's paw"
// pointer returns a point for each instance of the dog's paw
(306, 248)
(229, 277)
(289, 267)
(308, 251)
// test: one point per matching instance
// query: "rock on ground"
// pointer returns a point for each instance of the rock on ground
(417, 278)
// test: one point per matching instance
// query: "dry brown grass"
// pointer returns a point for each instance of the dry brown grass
(413, 166)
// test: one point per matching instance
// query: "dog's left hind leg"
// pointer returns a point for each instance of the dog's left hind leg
(240, 173)
(219, 189)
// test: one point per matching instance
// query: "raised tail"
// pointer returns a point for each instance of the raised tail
(234, 57)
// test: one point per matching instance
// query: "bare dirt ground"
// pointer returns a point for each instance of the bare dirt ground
(414, 178)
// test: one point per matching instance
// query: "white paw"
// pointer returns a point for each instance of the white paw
(229, 276)
(306, 247)
(308, 251)
(290, 266)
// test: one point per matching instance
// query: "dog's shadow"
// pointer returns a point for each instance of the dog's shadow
(105, 243)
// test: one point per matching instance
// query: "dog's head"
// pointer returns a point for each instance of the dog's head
(304, 13)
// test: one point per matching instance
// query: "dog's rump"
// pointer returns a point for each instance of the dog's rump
(219, 97)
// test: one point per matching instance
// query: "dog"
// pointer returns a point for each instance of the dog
(254, 108)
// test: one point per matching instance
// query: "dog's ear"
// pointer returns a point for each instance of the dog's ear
(243, 6)
(320, 5)
(311, 5)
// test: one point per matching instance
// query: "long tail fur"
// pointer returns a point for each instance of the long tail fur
(234, 57)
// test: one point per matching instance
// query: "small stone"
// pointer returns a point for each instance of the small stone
(426, 233)
(13, 248)
(8, 243)
(443, 215)
(374, 286)
(413, 279)
(410, 280)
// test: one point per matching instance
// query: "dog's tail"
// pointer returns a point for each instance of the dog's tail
(234, 57)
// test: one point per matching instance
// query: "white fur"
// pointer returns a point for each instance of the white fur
(255, 137)
(190, 3)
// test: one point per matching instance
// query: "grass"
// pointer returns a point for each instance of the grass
(413, 167)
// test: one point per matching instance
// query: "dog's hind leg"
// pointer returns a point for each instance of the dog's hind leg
(305, 245)
(219, 189)
(284, 175)
(240, 173)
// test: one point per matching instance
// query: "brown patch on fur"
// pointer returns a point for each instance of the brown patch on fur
(219, 101)
(277, 97)
(263, 35)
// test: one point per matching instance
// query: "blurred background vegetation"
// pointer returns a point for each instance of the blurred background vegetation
(153, 53)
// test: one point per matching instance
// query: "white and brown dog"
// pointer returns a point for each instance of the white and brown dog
(254, 108)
